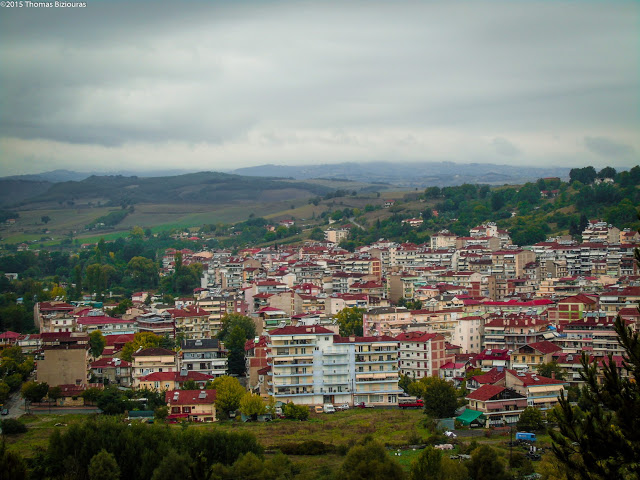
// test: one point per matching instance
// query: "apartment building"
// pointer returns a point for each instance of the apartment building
(97, 320)
(63, 359)
(572, 308)
(192, 322)
(529, 356)
(541, 392)
(312, 366)
(385, 320)
(158, 323)
(594, 334)
(514, 331)
(152, 360)
(468, 333)
(422, 354)
(443, 239)
(112, 371)
(54, 316)
(205, 355)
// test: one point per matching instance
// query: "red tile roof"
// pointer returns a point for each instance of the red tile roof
(545, 347)
(420, 337)
(302, 330)
(531, 379)
(176, 377)
(485, 392)
(148, 352)
(9, 335)
(101, 320)
(492, 376)
(119, 339)
(190, 397)
(381, 338)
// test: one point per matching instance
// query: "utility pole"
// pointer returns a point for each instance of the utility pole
(510, 444)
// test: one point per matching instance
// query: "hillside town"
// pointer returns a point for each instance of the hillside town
(473, 310)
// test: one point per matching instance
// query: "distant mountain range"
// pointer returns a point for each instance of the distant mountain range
(411, 174)
(56, 176)
(255, 183)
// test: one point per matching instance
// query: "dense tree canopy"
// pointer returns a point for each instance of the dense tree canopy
(370, 462)
(350, 321)
(439, 396)
(97, 342)
(140, 340)
(229, 394)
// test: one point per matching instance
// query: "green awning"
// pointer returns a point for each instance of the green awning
(141, 414)
(469, 416)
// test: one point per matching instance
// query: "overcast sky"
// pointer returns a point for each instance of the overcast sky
(222, 85)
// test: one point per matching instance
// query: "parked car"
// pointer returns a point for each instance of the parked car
(409, 403)
(363, 405)
(328, 408)
(344, 406)
(450, 434)
(5, 411)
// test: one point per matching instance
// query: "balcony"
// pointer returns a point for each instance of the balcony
(291, 384)
(361, 360)
(335, 372)
(293, 392)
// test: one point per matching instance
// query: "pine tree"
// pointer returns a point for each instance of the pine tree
(603, 441)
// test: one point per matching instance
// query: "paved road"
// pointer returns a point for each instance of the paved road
(478, 432)
(15, 405)
(65, 410)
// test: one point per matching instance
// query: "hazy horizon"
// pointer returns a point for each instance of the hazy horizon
(218, 86)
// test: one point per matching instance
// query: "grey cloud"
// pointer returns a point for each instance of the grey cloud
(505, 147)
(608, 148)
(117, 73)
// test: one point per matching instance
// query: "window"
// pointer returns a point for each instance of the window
(186, 409)
(175, 409)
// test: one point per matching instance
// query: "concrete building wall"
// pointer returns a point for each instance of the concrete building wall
(63, 366)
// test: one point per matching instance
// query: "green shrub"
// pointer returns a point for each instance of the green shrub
(309, 447)
(295, 412)
(11, 426)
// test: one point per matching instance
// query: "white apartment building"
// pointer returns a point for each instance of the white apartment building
(421, 354)
(312, 366)
(469, 333)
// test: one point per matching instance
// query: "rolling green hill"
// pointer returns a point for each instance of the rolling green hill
(201, 188)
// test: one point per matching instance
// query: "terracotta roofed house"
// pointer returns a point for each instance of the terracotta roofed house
(192, 405)
(500, 405)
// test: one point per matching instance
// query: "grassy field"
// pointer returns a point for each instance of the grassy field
(63, 219)
(394, 428)
(66, 219)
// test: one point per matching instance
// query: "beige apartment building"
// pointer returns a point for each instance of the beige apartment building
(152, 360)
